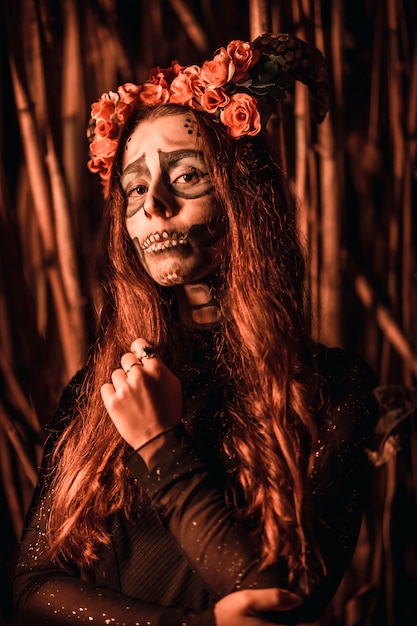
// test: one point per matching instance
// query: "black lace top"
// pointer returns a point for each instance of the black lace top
(185, 549)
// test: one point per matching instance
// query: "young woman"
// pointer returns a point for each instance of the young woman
(207, 466)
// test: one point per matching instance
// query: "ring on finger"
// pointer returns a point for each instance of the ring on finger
(127, 370)
(147, 352)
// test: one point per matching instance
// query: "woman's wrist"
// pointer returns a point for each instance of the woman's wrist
(147, 449)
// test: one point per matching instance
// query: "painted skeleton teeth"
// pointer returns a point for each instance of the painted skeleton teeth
(163, 241)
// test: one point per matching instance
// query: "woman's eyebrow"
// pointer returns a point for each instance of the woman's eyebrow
(168, 158)
(137, 167)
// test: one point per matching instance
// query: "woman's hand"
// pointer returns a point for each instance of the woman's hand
(144, 397)
(245, 608)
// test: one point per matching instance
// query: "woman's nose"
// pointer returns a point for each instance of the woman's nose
(159, 200)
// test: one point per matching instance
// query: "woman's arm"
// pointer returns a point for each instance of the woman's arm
(220, 548)
(46, 594)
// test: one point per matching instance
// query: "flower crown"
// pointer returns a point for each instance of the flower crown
(230, 87)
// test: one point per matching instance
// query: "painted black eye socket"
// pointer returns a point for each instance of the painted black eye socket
(189, 177)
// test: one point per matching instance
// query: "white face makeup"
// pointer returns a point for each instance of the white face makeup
(171, 213)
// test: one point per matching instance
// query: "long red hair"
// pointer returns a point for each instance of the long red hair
(265, 347)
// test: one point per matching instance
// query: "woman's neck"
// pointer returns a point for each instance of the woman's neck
(197, 305)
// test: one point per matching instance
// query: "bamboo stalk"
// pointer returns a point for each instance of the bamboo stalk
(190, 24)
(330, 197)
(301, 108)
(302, 137)
(18, 446)
(409, 256)
(14, 507)
(34, 161)
(391, 484)
(115, 45)
(394, 76)
(67, 257)
(42, 203)
(314, 244)
(385, 321)
(259, 18)
(32, 62)
(73, 104)
(19, 398)
(32, 252)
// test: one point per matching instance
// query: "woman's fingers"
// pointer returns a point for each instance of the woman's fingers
(129, 361)
(144, 397)
(143, 350)
(273, 599)
(250, 607)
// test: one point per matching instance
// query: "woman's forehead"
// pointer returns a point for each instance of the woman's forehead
(163, 134)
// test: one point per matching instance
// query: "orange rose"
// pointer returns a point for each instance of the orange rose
(128, 92)
(218, 71)
(106, 128)
(241, 116)
(105, 106)
(99, 165)
(213, 98)
(153, 94)
(165, 75)
(243, 57)
(157, 77)
(187, 89)
(103, 147)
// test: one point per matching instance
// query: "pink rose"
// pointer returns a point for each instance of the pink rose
(213, 98)
(243, 57)
(152, 94)
(241, 116)
(218, 71)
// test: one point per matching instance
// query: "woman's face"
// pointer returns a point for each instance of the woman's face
(171, 213)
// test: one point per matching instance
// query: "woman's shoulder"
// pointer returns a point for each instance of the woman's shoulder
(339, 367)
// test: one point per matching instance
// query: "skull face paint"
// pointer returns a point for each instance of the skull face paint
(171, 214)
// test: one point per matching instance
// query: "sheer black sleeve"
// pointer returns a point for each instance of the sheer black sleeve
(46, 594)
(190, 504)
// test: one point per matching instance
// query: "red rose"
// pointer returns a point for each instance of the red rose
(213, 98)
(218, 71)
(243, 57)
(241, 116)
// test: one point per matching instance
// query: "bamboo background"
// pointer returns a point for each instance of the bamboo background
(355, 177)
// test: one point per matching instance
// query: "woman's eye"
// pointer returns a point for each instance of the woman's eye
(138, 190)
(191, 176)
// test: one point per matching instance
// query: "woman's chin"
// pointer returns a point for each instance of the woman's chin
(170, 268)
